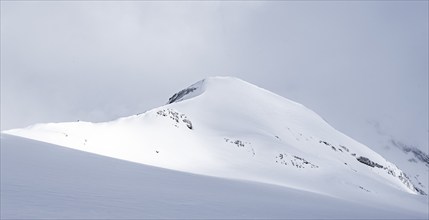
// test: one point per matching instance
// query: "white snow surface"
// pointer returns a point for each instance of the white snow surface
(41, 180)
(227, 128)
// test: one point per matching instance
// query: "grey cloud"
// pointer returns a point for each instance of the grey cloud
(349, 61)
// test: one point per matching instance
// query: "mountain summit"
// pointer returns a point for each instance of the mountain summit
(226, 127)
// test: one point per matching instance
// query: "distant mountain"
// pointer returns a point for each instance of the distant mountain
(412, 159)
(226, 127)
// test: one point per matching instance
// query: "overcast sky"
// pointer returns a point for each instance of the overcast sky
(362, 65)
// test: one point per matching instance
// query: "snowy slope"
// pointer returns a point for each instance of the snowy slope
(228, 128)
(40, 180)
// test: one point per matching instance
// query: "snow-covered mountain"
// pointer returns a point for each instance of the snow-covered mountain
(225, 127)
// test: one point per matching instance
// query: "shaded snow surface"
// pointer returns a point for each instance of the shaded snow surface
(40, 180)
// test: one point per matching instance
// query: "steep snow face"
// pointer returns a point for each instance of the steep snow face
(226, 127)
